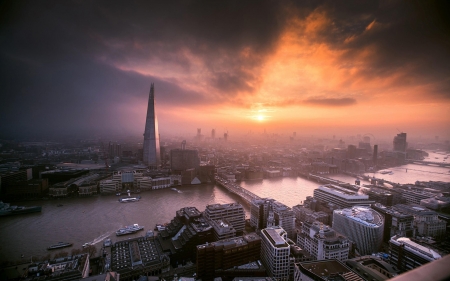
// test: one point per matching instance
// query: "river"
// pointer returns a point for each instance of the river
(93, 219)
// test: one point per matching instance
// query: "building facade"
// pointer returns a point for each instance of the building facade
(233, 212)
(275, 252)
(362, 225)
(406, 254)
(322, 242)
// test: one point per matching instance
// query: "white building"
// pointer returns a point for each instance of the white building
(362, 225)
(275, 252)
(322, 242)
(341, 197)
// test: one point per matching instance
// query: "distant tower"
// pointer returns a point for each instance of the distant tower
(151, 150)
(400, 143)
(213, 133)
(375, 154)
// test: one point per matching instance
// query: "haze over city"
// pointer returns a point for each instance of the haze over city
(325, 67)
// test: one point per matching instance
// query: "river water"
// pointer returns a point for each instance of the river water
(93, 219)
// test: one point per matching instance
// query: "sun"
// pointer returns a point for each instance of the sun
(260, 117)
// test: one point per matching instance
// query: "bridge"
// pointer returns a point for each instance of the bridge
(232, 187)
(428, 163)
(321, 179)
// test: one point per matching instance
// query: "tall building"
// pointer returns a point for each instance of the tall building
(267, 212)
(275, 252)
(322, 242)
(362, 225)
(400, 143)
(151, 150)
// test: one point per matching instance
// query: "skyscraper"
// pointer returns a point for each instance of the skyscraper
(152, 157)
(400, 143)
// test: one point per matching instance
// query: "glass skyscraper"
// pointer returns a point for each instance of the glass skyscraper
(151, 150)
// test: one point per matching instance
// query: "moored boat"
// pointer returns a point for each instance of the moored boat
(6, 209)
(59, 245)
(129, 229)
(129, 199)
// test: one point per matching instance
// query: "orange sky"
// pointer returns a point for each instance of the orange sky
(331, 67)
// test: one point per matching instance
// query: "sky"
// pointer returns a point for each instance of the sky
(311, 67)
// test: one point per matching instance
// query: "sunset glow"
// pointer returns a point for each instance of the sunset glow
(288, 67)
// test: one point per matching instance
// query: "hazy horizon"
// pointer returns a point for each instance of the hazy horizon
(315, 68)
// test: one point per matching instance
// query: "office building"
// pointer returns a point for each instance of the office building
(406, 254)
(75, 267)
(182, 235)
(395, 222)
(426, 222)
(151, 149)
(275, 252)
(400, 143)
(324, 270)
(134, 257)
(267, 212)
(341, 197)
(362, 225)
(322, 242)
(216, 257)
(233, 212)
(222, 229)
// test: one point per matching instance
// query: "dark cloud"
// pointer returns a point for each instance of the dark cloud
(330, 102)
(58, 58)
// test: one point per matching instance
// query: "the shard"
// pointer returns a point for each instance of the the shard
(151, 150)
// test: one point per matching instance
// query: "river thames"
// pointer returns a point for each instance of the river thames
(93, 219)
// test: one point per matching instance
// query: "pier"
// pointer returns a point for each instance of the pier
(232, 187)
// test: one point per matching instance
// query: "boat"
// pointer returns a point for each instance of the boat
(129, 199)
(7, 210)
(385, 172)
(174, 189)
(87, 244)
(159, 227)
(59, 245)
(129, 229)
(107, 242)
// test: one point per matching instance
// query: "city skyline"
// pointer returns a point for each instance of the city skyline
(314, 68)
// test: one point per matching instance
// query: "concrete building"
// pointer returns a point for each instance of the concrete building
(406, 254)
(151, 149)
(267, 212)
(372, 268)
(213, 259)
(138, 256)
(66, 268)
(325, 270)
(362, 225)
(395, 222)
(233, 212)
(322, 242)
(222, 229)
(275, 252)
(426, 222)
(341, 197)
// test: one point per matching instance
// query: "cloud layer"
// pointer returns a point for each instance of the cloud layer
(87, 66)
